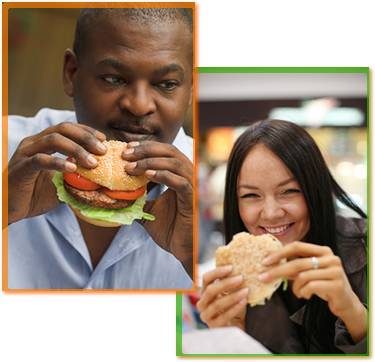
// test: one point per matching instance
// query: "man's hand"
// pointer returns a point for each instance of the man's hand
(31, 168)
(172, 228)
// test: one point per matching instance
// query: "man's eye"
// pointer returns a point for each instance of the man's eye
(113, 80)
(168, 85)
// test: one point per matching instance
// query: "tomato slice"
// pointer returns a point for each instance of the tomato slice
(125, 195)
(80, 182)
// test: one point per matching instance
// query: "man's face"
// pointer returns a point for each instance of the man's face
(134, 82)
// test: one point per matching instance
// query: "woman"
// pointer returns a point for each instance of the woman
(277, 182)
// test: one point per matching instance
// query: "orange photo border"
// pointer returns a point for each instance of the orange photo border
(5, 8)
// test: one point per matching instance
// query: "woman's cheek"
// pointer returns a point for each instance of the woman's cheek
(248, 217)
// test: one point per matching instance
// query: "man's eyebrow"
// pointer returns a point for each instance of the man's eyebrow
(282, 183)
(108, 62)
(170, 68)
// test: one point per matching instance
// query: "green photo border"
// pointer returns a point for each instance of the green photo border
(365, 70)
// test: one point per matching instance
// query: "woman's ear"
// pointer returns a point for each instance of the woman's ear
(69, 71)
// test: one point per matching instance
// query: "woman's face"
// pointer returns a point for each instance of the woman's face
(269, 198)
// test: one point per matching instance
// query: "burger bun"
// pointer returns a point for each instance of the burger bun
(110, 171)
(95, 222)
(245, 253)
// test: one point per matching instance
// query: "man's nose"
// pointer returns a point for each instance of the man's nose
(138, 99)
(272, 210)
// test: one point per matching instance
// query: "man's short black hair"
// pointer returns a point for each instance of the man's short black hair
(141, 16)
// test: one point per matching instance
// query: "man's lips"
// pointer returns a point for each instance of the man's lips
(129, 134)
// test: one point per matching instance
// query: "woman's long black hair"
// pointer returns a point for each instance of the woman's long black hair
(301, 155)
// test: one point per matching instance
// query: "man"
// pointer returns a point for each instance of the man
(130, 75)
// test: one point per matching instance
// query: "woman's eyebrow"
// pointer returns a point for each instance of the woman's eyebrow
(282, 183)
(247, 187)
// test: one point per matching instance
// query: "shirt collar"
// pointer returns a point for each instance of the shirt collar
(69, 229)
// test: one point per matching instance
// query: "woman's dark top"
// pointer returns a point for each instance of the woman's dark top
(277, 324)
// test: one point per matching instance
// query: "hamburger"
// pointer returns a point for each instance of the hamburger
(105, 195)
(245, 253)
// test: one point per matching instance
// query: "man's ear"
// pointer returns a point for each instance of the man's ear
(191, 95)
(69, 71)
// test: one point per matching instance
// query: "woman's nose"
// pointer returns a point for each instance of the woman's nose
(272, 210)
(138, 99)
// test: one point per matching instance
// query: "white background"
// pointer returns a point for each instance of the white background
(131, 327)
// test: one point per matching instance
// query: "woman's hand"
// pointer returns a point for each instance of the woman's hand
(221, 305)
(326, 279)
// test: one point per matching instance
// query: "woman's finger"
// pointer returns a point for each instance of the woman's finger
(292, 268)
(297, 249)
(214, 274)
(332, 273)
(221, 307)
(223, 318)
(322, 288)
(214, 290)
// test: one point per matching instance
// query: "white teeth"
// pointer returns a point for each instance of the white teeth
(277, 230)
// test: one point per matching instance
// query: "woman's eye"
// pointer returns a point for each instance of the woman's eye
(248, 196)
(291, 191)
(113, 80)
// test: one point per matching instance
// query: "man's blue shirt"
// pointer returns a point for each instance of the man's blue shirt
(49, 252)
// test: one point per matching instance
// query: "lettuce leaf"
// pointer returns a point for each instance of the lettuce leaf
(124, 216)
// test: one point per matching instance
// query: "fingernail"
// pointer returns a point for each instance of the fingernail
(70, 166)
(238, 278)
(243, 292)
(264, 276)
(131, 165)
(133, 144)
(92, 160)
(150, 173)
(128, 151)
(226, 268)
(267, 260)
(101, 146)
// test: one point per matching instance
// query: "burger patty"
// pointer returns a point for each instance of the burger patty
(96, 198)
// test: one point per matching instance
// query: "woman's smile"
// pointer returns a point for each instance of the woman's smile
(270, 200)
(277, 231)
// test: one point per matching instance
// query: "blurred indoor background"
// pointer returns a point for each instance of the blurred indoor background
(331, 106)
(38, 39)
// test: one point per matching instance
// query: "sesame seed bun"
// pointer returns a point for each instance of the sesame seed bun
(245, 253)
(110, 171)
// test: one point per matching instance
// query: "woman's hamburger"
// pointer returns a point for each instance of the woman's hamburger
(105, 195)
(245, 253)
